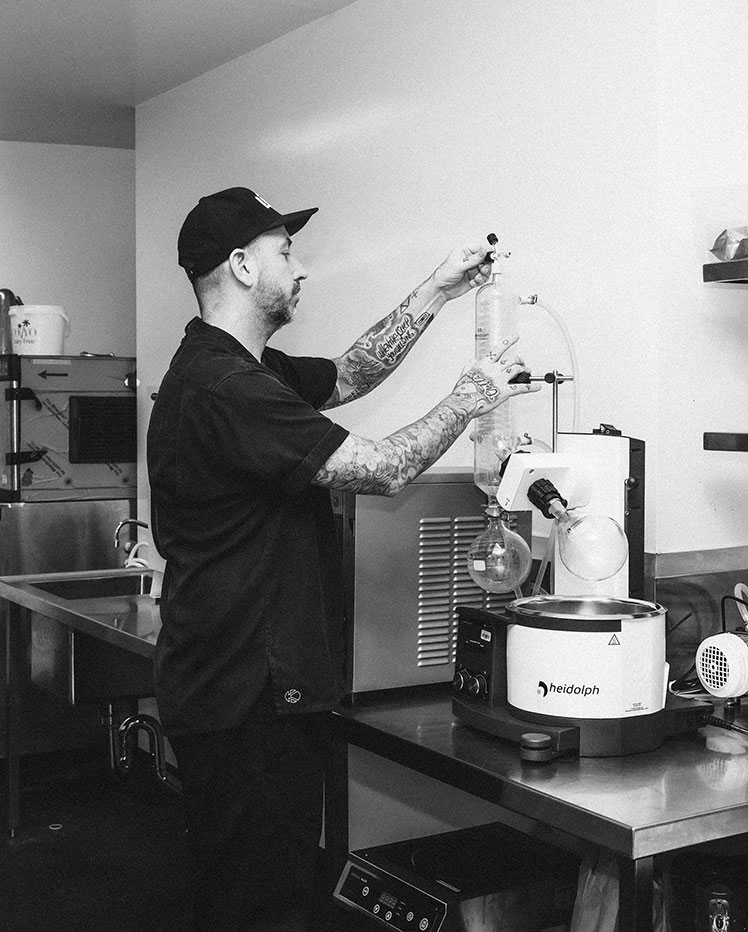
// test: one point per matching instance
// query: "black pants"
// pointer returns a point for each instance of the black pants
(254, 808)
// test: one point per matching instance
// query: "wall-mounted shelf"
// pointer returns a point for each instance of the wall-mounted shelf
(734, 443)
(736, 270)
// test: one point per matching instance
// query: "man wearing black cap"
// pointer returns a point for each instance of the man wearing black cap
(240, 458)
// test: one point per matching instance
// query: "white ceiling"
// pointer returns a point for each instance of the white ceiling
(67, 66)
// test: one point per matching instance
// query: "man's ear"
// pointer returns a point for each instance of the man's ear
(243, 267)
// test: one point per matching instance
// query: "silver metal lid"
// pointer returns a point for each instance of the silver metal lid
(575, 607)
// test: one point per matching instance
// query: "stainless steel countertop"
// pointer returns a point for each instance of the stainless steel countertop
(131, 622)
(691, 790)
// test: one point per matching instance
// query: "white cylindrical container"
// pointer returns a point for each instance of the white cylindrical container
(586, 658)
(38, 330)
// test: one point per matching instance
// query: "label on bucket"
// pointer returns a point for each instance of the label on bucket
(37, 330)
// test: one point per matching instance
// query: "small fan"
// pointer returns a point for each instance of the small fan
(722, 664)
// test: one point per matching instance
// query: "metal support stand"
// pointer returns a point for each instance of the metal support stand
(555, 379)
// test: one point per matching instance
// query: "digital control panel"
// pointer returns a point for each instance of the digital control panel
(390, 900)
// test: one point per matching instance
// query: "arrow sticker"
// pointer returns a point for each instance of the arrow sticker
(45, 374)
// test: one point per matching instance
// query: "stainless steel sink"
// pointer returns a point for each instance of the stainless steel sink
(98, 587)
(83, 632)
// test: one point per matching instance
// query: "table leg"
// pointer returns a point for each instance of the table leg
(13, 648)
(635, 895)
(336, 805)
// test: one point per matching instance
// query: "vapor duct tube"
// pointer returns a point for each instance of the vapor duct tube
(572, 356)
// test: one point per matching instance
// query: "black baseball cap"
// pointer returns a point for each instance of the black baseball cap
(225, 221)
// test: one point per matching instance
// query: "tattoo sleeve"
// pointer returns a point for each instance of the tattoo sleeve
(385, 467)
(379, 351)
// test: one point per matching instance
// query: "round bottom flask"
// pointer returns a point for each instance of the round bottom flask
(593, 547)
(498, 560)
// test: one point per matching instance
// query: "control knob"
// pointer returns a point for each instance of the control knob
(477, 686)
(460, 681)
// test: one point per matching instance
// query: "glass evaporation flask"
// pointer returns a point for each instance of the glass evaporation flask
(592, 547)
(495, 433)
(498, 560)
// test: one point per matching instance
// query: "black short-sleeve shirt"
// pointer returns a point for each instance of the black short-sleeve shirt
(252, 586)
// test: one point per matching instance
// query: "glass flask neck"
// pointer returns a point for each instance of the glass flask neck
(494, 511)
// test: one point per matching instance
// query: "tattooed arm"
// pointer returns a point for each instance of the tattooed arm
(387, 466)
(379, 351)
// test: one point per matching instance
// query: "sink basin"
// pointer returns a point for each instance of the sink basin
(98, 587)
(92, 633)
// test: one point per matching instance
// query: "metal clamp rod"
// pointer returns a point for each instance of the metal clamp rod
(555, 379)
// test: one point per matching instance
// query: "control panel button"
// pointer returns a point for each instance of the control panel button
(395, 903)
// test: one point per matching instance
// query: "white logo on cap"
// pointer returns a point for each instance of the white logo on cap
(292, 696)
(263, 202)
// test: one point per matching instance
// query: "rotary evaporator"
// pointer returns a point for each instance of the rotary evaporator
(591, 544)
(578, 664)
(491, 877)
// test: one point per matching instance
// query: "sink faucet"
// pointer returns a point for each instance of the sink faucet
(123, 524)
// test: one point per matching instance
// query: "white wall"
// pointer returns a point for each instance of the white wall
(702, 152)
(67, 237)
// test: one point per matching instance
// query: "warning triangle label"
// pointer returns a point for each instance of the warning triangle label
(614, 640)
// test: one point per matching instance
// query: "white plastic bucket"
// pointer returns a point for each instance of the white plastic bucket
(38, 330)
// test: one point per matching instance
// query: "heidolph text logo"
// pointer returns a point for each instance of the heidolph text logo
(570, 689)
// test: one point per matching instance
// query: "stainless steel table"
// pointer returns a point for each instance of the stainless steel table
(106, 606)
(694, 789)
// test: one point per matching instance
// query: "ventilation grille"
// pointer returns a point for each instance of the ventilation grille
(444, 583)
(714, 669)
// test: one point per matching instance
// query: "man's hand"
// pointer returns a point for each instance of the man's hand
(487, 383)
(464, 268)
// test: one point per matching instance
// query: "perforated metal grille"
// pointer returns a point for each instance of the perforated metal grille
(715, 670)
(444, 583)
